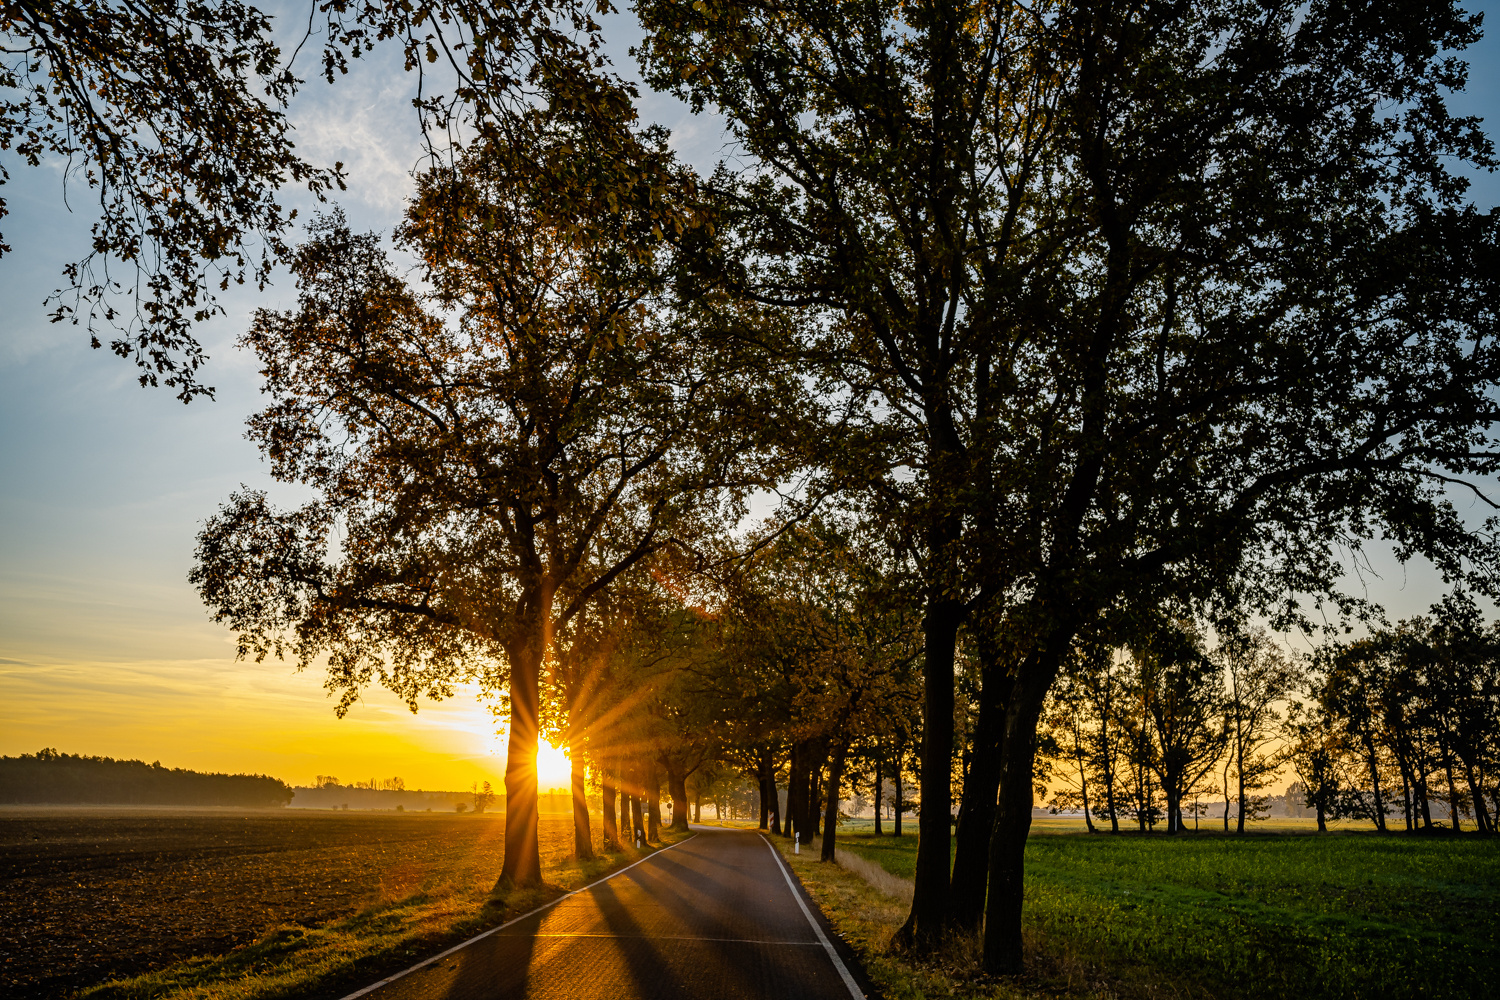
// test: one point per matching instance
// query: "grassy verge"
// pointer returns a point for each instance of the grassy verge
(449, 905)
(1267, 916)
(867, 919)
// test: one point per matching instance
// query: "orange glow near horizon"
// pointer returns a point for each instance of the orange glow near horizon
(553, 768)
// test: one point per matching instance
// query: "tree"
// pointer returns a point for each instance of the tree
(489, 476)
(1137, 302)
(484, 797)
(1463, 674)
(1318, 754)
(1183, 700)
(1257, 676)
(1351, 692)
(173, 113)
(153, 104)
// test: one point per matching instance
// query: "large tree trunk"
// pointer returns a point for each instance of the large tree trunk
(653, 802)
(583, 836)
(831, 806)
(771, 817)
(814, 754)
(611, 825)
(523, 861)
(1003, 953)
(1174, 808)
(777, 821)
(879, 781)
(814, 799)
(971, 841)
(760, 790)
(929, 907)
(792, 827)
(898, 794)
(637, 821)
(677, 789)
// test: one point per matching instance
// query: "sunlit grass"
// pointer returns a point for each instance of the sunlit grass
(418, 908)
(867, 919)
(1260, 916)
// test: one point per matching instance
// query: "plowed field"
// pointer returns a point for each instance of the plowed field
(88, 895)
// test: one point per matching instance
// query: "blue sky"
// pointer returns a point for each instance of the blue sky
(103, 646)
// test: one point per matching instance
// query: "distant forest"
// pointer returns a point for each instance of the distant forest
(63, 778)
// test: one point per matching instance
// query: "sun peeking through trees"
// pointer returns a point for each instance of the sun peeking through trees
(1086, 327)
(489, 456)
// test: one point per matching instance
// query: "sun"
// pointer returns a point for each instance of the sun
(553, 769)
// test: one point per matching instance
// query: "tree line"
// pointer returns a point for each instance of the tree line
(75, 779)
(1403, 723)
(1050, 330)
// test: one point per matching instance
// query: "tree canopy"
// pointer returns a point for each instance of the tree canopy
(1102, 323)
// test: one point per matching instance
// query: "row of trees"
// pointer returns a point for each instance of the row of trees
(1370, 728)
(1405, 719)
(53, 777)
(1070, 317)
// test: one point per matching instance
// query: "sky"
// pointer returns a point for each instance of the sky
(104, 647)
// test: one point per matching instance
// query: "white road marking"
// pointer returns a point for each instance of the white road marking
(494, 930)
(838, 963)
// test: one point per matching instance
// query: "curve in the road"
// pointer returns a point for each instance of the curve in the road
(714, 916)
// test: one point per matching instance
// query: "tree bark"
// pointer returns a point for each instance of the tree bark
(583, 836)
(677, 788)
(831, 790)
(815, 787)
(653, 803)
(771, 821)
(764, 796)
(1476, 795)
(971, 841)
(792, 827)
(610, 820)
(1452, 787)
(1003, 951)
(627, 810)
(879, 782)
(896, 823)
(1375, 781)
(1240, 783)
(929, 908)
(523, 861)
(1083, 786)
(777, 820)
(637, 822)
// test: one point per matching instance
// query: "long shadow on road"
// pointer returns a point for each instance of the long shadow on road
(712, 917)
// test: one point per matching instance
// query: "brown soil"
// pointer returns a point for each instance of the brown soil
(87, 895)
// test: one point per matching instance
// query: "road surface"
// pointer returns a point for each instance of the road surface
(714, 917)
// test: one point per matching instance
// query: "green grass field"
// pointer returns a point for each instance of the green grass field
(1269, 915)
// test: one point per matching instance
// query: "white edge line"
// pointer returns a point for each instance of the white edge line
(838, 963)
(529, 913)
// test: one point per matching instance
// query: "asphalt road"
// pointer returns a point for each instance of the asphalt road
(715, 916)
